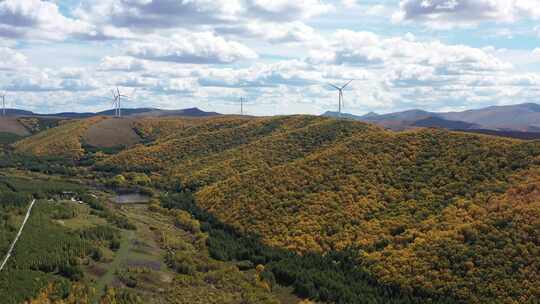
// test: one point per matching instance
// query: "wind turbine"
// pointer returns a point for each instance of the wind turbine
(242, 99)
(115, 103)
(119, 102)
(340, 90)
(3, 104)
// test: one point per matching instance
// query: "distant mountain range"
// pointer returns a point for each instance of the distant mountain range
(153, 112)
(521, 121)
(514, 118)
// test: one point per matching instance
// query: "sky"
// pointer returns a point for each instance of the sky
(436, 55)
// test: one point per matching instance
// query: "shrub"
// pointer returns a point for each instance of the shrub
(184, 221)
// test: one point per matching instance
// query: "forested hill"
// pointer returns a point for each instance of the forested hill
(427, 211)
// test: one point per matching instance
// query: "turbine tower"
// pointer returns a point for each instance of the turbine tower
(115, 103)
(3, 104)
(340, 100)
(242, 100)
(119, 102)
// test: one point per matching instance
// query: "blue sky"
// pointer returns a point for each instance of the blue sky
(439, 55)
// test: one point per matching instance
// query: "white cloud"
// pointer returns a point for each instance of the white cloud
(136, 82)
(196, 48)
(377, 10)
(349, 3)
(368, 49)
(287, 73)
(121, 63)
(36, 19)
(68, 80)
(158, 14)
(286, 10)
(148, 15)
(77, 85)
(40, 82)
(272, 20)
(175, 86)
(449, 13)
(12, 60)
(291, 32)
(71, 73)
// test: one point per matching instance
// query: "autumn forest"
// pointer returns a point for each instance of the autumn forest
(294, 209)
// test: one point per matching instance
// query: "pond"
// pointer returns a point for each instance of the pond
(131, 198)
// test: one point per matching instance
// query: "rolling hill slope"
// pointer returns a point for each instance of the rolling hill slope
(69, 138)
(111, 133)
(12, 126)
(62, 141)
(413, 204)
(427, 212)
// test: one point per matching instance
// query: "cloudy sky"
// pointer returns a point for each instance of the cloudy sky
(67, 55)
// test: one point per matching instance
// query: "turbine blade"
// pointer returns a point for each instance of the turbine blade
(334, 86)
(347, 84)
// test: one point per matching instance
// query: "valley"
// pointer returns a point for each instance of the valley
(270, 210)
(109, 253)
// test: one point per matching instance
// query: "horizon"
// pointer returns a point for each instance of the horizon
(438, 56)
(314, 114)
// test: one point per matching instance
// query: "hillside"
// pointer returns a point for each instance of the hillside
(70, 138)
(415, 205)
(318, 184)
(15, 128)
(221, 147)
(426, 213)
(62, 141)
(12, 126)
(111, 133)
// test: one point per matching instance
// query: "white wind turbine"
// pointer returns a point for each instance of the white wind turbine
(3, 95)
(117, 101)
(242, 100)
(340, 100)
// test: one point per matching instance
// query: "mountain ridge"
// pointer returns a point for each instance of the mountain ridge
(523, 117)
(155, 112)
